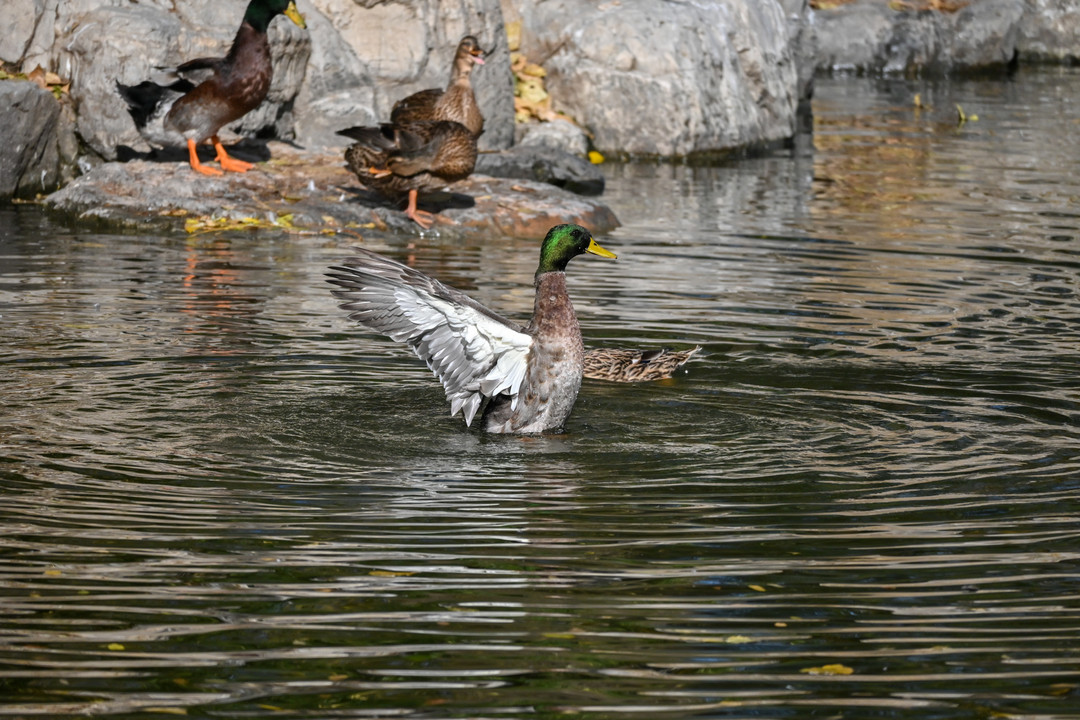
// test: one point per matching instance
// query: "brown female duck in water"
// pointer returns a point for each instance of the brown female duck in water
(192, 103)
(619, 365)
(399, 159)
(457, 103)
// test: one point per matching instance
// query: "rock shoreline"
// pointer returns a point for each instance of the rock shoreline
(313, 193)
(642, 79)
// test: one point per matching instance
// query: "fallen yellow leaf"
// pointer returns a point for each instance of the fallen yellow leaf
(513, 35)
(389, 573)
(834, 669)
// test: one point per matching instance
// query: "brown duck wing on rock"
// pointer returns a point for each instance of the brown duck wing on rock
(621, 365)
(408, 158)
(456, 103)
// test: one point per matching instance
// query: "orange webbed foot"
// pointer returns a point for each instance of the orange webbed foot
(193, 159)
(420, 217)
(233, 165)
(229, 163)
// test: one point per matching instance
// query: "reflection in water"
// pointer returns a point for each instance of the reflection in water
(219, 498)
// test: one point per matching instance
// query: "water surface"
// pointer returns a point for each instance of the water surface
(220, 499)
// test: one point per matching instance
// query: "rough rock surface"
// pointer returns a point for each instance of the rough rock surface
(318, 194)
(1050, 31)
(550, 152)
(803, 45)
(556, 135)
(546, 165)
(871, 36)
(667, 79)
(39, 144)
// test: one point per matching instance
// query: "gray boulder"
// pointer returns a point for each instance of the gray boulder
(803, 45)
(39, 145)
(1050, 31)
(870, 36)
(556, 135)
(547, 165)
(550, 152)
(668, 79)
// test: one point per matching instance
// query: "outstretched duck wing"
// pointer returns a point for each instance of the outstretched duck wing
(473, 351)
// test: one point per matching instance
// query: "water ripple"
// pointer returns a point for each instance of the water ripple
(860, 499)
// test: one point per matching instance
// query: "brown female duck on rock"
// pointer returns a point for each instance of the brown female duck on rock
(531, 375)
(457, 103)
(193, 102)
(399, 159)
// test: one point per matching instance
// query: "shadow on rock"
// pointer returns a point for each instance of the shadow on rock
(249, 150)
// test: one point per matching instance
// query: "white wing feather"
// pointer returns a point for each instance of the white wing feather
(474, 352)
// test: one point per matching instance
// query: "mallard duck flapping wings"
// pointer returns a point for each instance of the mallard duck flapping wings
(530, 375)
(396, 159)
(192, 103)
(456, 103)
(619, 365)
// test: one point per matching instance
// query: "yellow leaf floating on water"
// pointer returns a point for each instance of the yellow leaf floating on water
(115, 646)
(834, 669)
(737, 639)
(595, 158)
(756, 588)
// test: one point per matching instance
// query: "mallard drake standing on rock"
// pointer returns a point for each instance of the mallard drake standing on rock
(457, 103)
(399, 159)
(193, 103)
(530, 375)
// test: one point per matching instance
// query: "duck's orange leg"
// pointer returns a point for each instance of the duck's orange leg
(422, 218)
(229, 163)
(193, 158)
